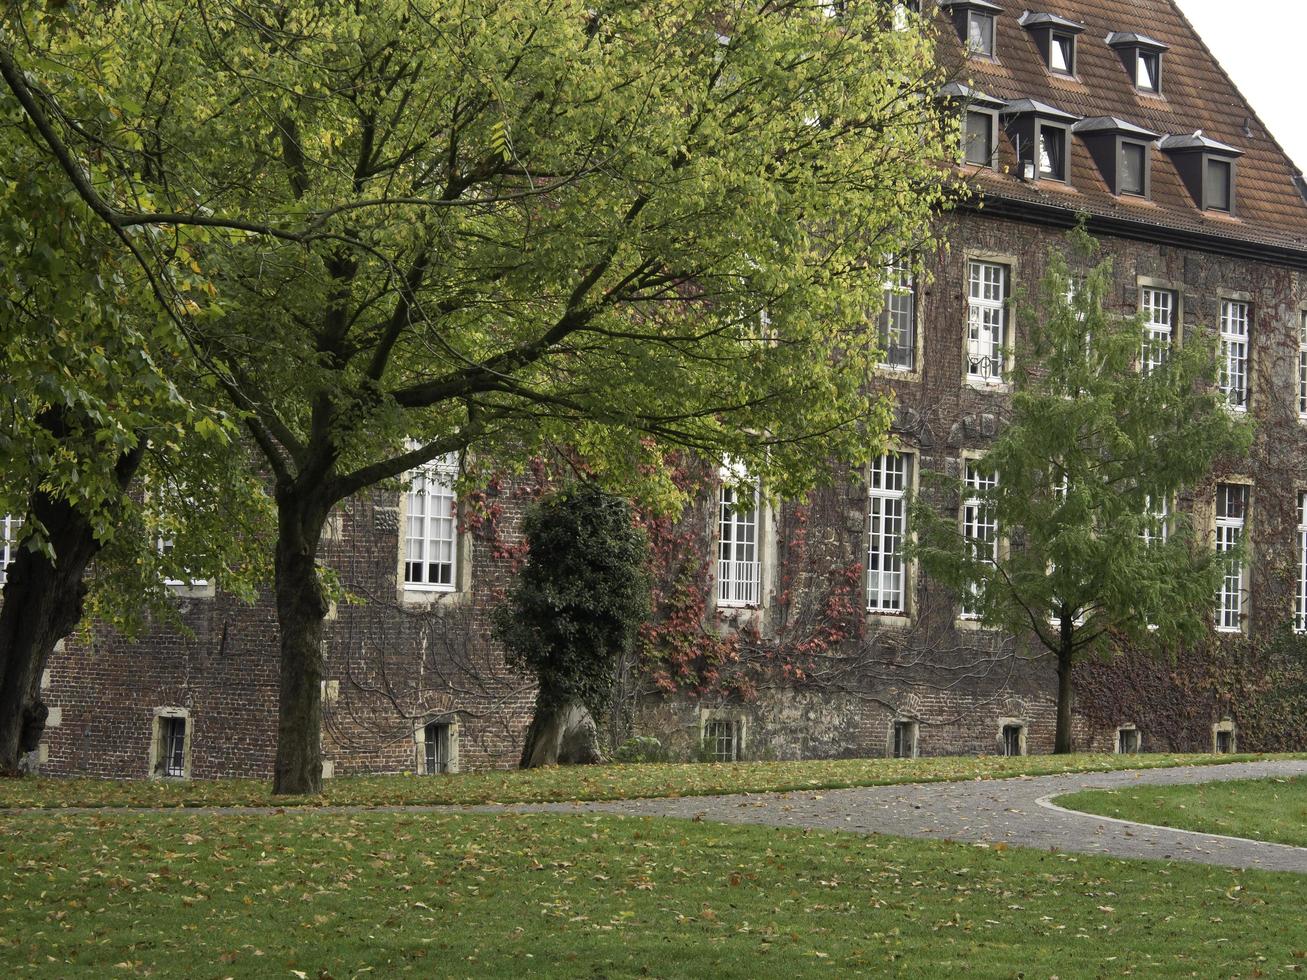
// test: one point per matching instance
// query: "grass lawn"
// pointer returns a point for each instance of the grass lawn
(611, 782)
(332, 895)
(1263, 809)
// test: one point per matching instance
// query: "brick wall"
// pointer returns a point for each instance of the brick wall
(392, 664)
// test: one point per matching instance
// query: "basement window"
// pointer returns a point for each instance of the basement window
(1013, 737)
(1128, 740)
(170, 747)
(905, 739)
(435, 748)
(1223, 738)
(721, 739)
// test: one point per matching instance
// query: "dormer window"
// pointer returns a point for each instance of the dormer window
(979, 123)
(1218, 192)
(1132, 169)
(1052, 153)
(1208, 168)
(1122, 152)
(1041, 135)
(1056, 39)
(1142, 58)
(975, 23)
(1148, 71)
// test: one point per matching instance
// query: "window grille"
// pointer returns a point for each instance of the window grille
(721, 739)
(1127, 741)
(1224, 741)
(886, 518)
(739, 572)
(986, 321)
(979, 527)
(9, 528)
(1012, 739)
(172, 758)
(905, 739)
(1231, 516)
(431, 527)
(435, 744)
(1234, 353)
(1158, 307)
(898, 319)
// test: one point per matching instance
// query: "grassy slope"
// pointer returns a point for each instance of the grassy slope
(328, 895)
(1262, 809)
(576, 783)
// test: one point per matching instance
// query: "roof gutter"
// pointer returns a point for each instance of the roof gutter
(1137, 230)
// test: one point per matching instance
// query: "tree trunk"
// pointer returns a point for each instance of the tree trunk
(562, 732)
(301, 608)
(42, 604)
(1065, 694)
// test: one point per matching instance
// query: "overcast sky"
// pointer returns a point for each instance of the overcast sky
(1260, 45)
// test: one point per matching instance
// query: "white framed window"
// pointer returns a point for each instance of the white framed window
(9, 528)
(1300, 606)
(1231, 520)
(164, 544)
(887, 488)
(739, 568)
(1234, 353)
(979, 525)
(1157, 521)
(431, 527)
(898, 319)
(986, 321)
(1158, 307)
(1302, 366)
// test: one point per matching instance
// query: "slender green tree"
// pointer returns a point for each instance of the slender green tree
(1068, 530)
(620, 226)
(577, 605)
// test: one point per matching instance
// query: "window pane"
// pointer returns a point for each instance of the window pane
(1234, 352)
(898, 318)
(1060, 53)
(980, 33)
(1052, 153)
(1158, 307)
(986, 321)
(980, 139)
(1231, 515)
(1146, 71)
(431, 527)
(1218, 185)
(739, 572)
(886, 500)
(1132, 169)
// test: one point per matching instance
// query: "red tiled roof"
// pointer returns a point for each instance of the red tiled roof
(1196, 95)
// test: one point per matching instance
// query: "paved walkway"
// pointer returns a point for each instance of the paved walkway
(1013, 811)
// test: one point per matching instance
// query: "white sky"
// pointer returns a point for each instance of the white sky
(1260, 45)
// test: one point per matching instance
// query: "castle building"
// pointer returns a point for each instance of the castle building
(1108, 111)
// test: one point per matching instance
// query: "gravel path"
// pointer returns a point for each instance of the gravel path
(1012, 811)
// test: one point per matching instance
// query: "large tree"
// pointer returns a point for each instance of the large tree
(1069, 532)
(499, 225)
(575, 608)
(98, 393)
